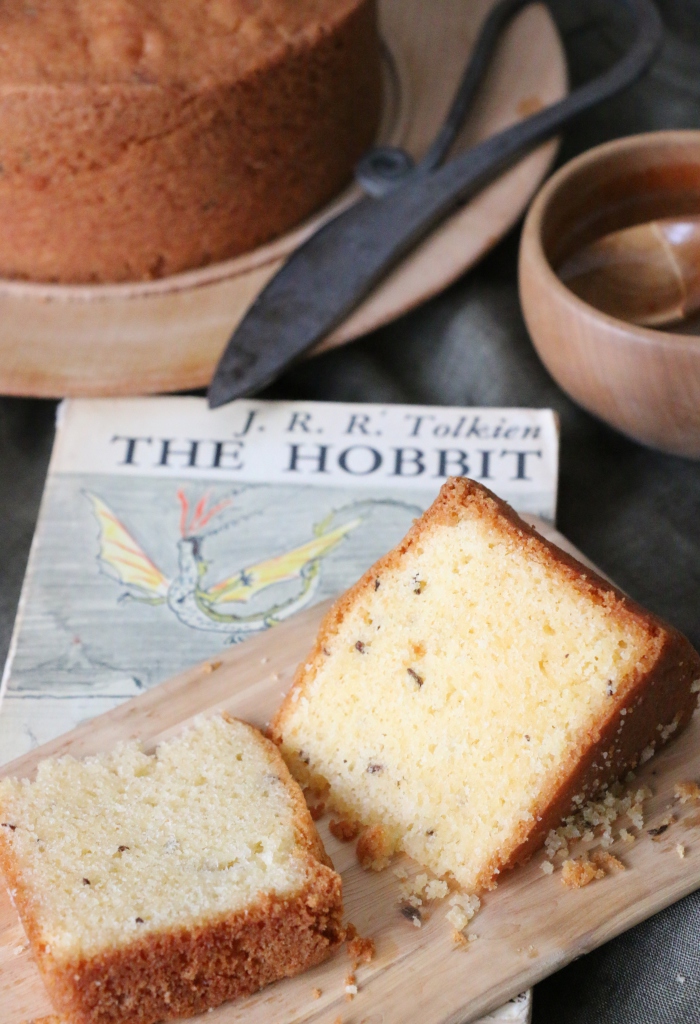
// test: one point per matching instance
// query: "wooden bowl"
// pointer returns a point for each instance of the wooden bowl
(644, 382)
(167, 335)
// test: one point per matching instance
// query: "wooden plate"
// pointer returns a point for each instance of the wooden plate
(530, 926)
(167, 335)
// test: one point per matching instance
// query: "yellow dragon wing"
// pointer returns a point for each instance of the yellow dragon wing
(248, 582)
(122, 557)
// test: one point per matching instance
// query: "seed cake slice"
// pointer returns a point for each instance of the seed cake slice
(159, 885)
(474, 687)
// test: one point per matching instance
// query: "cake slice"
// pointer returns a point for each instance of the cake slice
(156, 886)
(474, 687)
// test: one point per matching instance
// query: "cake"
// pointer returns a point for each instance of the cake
(476, 686)
(138, 139)
(159, 885)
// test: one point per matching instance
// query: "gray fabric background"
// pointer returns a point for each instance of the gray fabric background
(634, 511)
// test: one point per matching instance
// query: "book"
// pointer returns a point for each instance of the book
(167, 530)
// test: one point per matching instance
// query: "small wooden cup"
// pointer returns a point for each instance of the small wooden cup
(644, 382)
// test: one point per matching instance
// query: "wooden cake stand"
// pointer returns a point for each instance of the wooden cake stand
(167, 335)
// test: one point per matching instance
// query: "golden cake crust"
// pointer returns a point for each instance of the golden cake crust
(178, 973)
(139, 140)
(658, 702)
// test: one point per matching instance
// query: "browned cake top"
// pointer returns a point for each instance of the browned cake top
(167, 42)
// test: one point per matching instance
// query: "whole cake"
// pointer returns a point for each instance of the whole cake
(138, 139)
(476, 686)
(157, 886)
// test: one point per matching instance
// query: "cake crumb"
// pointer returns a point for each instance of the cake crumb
(401, 873)
(636, 816)
(626, 836)
(687, 792)
(577, 873)
(343, 829)
(607, 861)
(419, 883)
(316, 811)
(374, 849)
(459, 939)
(547, 867)
(359, 950)
(532, 952)
(316, 993)
(680, 850)
(436, 890)
(464, 907)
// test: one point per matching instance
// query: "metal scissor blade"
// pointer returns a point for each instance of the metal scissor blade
(319, 285)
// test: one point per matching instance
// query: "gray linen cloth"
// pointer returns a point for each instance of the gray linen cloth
(633, 511)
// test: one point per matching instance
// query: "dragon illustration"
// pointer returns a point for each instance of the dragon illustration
(204, 607)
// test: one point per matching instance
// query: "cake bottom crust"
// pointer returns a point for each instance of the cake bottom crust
(178, 974)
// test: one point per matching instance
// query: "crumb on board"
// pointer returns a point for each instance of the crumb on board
(338, 1020)
(374, 848)
(687, 792)
(436, 889)
(316, 993)
(464, 907)
(577, 873)
(412, 889)
(344, 830)
(607, 861)
(680, 850)
(459, 939)
(594, 819)
(361, 951)
(547, 867)
(316, 811)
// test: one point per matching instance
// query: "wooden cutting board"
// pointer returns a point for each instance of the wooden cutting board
(527, 928)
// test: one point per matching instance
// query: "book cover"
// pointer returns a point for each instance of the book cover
(168, 530)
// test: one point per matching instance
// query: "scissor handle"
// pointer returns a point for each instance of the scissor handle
(496, 20)
(384, 168)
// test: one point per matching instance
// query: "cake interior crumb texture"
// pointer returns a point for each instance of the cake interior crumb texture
(164, 876)
(476, 683)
